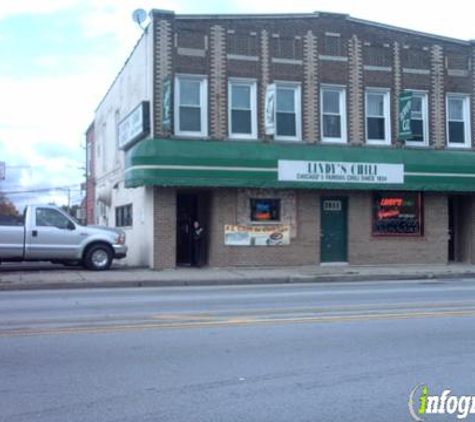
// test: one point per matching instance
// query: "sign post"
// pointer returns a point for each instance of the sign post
(135, 126)
(405, 112)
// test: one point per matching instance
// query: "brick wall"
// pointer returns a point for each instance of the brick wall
(218, 83)
(164, 236)
(313, 50)
(162, 68)
(304, 249)
(363, 248)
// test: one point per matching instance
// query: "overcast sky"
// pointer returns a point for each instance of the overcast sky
(58, 57)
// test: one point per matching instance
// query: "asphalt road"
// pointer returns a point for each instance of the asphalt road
(320, 352)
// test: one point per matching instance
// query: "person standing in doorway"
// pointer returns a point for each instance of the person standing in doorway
(198, 234)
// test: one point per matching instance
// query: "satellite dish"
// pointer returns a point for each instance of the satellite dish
(139, 16)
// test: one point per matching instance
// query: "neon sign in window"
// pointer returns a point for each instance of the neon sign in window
(397, 213)
(265, 210)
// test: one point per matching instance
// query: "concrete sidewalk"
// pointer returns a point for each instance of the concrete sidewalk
(47, 276)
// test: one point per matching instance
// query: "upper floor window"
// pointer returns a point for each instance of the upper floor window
(378, 126)
(288, 112)
(191, 106)
(458, 121)
(333, 106)
(419, 120)
(242, 109)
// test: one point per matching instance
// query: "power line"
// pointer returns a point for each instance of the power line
(39, 190)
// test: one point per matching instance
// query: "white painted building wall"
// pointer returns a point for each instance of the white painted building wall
(132, 86)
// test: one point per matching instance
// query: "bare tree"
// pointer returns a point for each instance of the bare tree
(7, 208)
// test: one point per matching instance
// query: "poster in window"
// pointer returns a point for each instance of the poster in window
(265, 210)
(397, 214)
(270, 109)
(264, 235)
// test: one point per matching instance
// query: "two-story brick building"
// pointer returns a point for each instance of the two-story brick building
(279, 133)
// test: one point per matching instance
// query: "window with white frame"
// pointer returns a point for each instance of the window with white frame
(333, 106)
(458, 121)
(242, 109)
(378, 125)
(287, 113)
(191, 106)
(419, 120)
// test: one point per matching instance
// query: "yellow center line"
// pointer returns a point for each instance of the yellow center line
(233, 322)
(242, 314)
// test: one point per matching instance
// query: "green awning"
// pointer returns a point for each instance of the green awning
(205, 163)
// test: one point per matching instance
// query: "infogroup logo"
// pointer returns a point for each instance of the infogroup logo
(421, 404)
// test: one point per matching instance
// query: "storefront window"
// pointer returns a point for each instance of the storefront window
(397, 214)
(263, 210)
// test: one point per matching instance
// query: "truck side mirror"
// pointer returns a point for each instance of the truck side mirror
(71, 226)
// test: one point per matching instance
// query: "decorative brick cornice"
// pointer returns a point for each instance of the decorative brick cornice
(311, 97)
(217, 100)
(356, 91)
(264, 79)
(397, 74)
(437, 103)
(162, 67)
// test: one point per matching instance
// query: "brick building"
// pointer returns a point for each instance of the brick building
(89, 200)
(279, 133)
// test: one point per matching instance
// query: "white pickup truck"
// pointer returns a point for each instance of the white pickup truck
(47, 233)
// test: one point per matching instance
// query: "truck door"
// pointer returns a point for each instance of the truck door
(51, 235)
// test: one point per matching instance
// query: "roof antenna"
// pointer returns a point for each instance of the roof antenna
(139, 16)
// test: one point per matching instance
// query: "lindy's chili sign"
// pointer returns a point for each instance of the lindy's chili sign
(340, 172)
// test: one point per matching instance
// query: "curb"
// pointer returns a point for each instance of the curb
(243, 281)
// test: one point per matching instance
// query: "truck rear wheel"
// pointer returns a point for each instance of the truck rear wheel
(98, 257)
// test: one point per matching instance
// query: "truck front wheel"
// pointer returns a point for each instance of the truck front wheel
(98, 257)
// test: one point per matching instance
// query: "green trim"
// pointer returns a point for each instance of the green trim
(177, 162)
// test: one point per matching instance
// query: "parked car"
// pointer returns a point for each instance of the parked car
(47, 233)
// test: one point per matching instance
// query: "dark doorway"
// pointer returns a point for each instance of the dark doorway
(460, 223)
(452, 231)
(191, 206)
